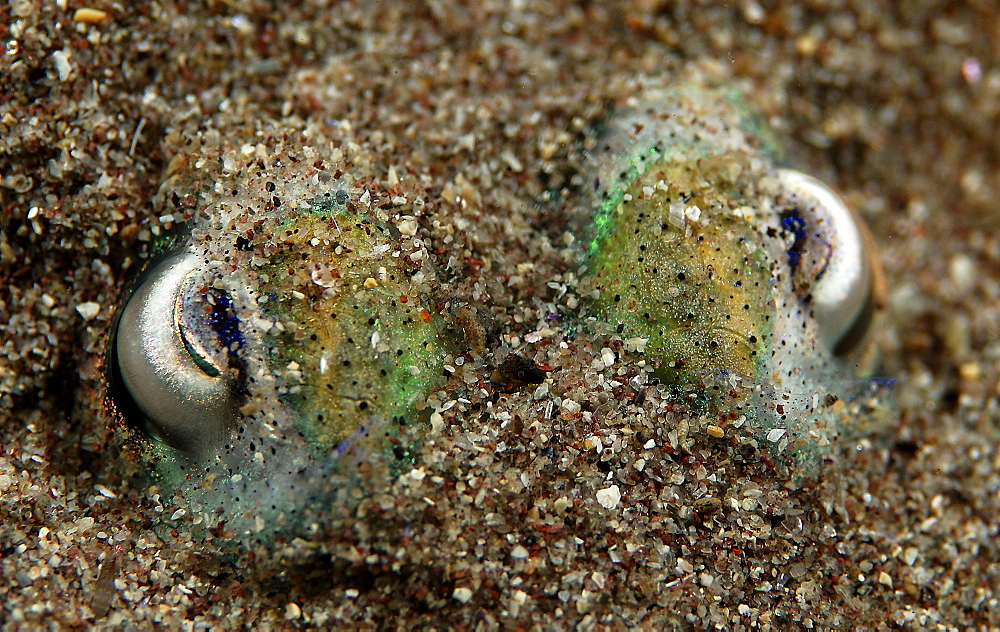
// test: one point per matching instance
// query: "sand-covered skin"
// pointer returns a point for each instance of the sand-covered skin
(505, 521)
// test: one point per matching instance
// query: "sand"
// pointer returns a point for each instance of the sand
(515, 521)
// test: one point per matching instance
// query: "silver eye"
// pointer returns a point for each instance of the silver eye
(831, 260)
(172, 348)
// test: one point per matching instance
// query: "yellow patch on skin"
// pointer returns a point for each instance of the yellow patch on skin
(367, 349)
(694, 285)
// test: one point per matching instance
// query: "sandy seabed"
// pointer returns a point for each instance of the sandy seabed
(480, 110)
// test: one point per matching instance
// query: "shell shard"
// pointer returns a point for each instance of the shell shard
(690, 248)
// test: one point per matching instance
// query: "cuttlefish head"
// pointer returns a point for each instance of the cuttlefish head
(753, 282)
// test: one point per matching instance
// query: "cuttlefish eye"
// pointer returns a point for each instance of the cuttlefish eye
(171, 352)
(830, 258)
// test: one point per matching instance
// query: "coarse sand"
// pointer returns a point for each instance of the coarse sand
(552, 507)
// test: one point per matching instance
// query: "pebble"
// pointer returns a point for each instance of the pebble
(609, 497)
(462, 594)
(89, 310)
(89, 16)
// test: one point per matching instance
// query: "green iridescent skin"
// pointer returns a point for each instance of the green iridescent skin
(334, 342)
(687, 251)
(365, 346)
(695, 294)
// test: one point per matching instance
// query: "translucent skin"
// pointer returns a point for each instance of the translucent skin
(688, 250)
(364, 347)
(340, 335)
(696, 293)
(333, 338)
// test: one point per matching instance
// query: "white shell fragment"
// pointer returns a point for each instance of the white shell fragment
(609, 497)
(89, 310)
